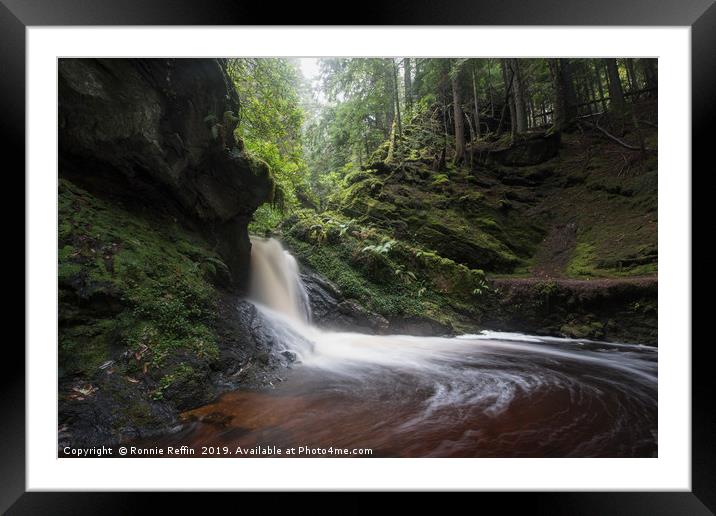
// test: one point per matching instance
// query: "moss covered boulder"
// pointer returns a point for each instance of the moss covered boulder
(146, 328)
(162, 129)
(415, 289)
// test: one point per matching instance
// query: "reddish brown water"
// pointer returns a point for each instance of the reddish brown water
(488, 395)
(502, 396)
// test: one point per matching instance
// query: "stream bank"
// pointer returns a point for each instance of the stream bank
(155, 197)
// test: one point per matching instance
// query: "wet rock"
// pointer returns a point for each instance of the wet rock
(113, 410)
(162, 130)
(252, 353)
(331, 310)
(421, 326)
(290, 355)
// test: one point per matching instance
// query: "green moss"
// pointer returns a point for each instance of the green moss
(582, 262)
(84, 347)
(131, 282)
(355, 177)
(396, 280)
(441, 180)
(139, 415)
(586, 262)
(181, 374)
(583, 330)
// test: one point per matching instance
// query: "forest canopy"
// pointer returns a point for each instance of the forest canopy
(350, 112)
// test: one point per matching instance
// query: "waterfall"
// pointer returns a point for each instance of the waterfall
(449, 396)
(276, 282)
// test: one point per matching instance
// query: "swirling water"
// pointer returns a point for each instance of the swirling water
(486, 395)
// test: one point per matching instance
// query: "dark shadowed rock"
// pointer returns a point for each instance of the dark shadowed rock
(110, 407)
(252, 350)
(331, 310)
(421, 326)
(525, 150)
(162, 129)
(613, 309)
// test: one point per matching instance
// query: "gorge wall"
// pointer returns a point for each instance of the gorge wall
(155, 194)
(163, 130)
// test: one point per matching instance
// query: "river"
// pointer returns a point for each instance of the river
(486, 395)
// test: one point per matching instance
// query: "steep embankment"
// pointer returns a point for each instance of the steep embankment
(541, 219)
(155, 196)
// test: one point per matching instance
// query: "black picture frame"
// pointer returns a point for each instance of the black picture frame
(17, 15)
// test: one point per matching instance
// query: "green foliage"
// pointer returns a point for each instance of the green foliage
(441, 180)
(265, 220)
(582, 262)
(153, 277)
(383, 273)
(356, 120)
(481, 288)
(272, 117)
(404, 275)
(383, 248)
(181, 373)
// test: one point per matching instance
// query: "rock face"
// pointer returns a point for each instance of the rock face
(332, 311)
(616, 309)
(527, 150)
(158, 126)
(106, 409)
(252, 350)
(155, 196)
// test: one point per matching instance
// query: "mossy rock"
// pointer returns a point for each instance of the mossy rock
(130, 283)
(583, 330)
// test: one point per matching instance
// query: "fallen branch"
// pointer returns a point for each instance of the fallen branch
(615, 139)
(625, 166)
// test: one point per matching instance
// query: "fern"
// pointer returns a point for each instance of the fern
(382, 248)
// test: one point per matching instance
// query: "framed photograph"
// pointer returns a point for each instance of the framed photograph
(448, 252)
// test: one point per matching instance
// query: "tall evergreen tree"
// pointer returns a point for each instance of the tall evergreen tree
(457, 113)
(616, 94)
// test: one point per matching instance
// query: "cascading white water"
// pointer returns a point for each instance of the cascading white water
(457, 381)
(275, 280)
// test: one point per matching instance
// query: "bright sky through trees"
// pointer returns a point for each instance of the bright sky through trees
(309, 67)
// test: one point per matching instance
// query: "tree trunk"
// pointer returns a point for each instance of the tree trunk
(616, 94)
(509, 78)
(477, 107)
(589, 90)
(530, 112)
(570, 98)
(457, 116)
(565, 100)
(396, 97)
(633, 83)
(518, 91)
(489, 87)
(471, 133)
(600, 87)
(558, 93)
(650, 72)
(407, 79)
(417, 83)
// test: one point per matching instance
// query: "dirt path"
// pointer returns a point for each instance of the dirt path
(578, 284)
(553, 255)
